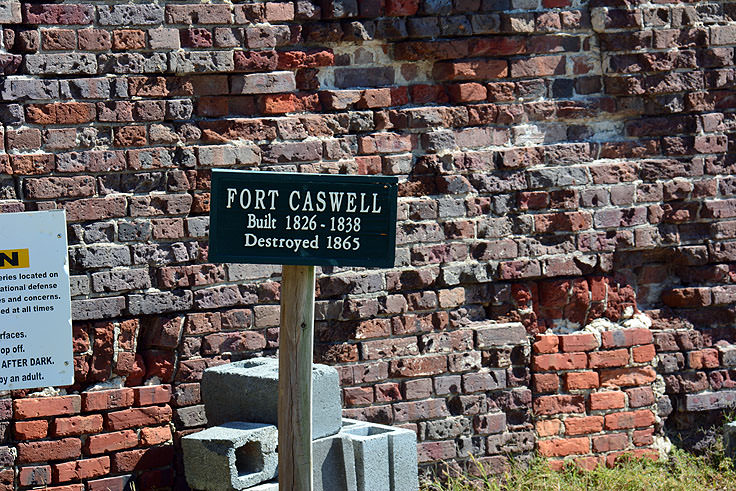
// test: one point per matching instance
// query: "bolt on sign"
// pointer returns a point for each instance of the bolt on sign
(35, 302)
(308, 219)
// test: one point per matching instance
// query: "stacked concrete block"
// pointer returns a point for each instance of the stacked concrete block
(266, 486)
(385, 456)
(333, 464)
(248, 391)
(232, 456)
(348, 455)
(729, 438)
(370, 445)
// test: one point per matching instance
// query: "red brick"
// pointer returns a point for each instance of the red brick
(704, 358)
(646, 353)
(118, 483)
(144, 458)
(539, 66)
(559, 404)
(374, 98)
(581, 380)
(607, 443)
(548, 427)
(640, 396)
(629, 419)
(81, 469)
(38, 475)
(60, 113)
(584, 425)
(470, 70)
(562, 222)
(68, 487)
(560, 361)
(561, 447)
(358, 396)
(41, 407)
(127, 39)
(687, 297)
(623, 377)
(95, 208)
(432, 451)
(109, 442)
(58, 14)
(107, 399)
(77, 425)
(30, 430)
(63, 449)
(155, 435)
(401, 7)
(94, 39)
(546, 344)
(578, 342)
(601, 401)
(467, 92)
(641, 438)
(638, 453)
(608, 359)
(279, 11)
(32, 164)
(154, 394)
(622, 338)
(486, 424)
(546, 382)
(130, 418)
(418, 366)
(587, 463)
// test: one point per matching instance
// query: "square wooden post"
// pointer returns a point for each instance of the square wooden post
(296, 337)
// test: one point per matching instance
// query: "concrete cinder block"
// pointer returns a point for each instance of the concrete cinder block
(333, 464)
(248, 391)
(370, 446)
(729, 439)
(266, 486)
(235, 455)
(385, 457)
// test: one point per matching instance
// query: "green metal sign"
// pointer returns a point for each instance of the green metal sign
(306, 219)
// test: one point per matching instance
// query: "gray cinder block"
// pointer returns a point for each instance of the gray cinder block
(248, 391)
(333, 464)
(266, 486)
(232, 456)
(385, 457)
(402, 448)
(729, 439)
(370, 445)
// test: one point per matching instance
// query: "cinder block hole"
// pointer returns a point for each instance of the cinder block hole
(368, 431)
(249, 459)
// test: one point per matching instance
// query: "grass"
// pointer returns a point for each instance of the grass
(682, 472)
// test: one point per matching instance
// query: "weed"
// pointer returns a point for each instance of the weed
(683, 471)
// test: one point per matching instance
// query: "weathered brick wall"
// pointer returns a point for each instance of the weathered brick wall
(100, 437)
(559, 161)
(593, 396)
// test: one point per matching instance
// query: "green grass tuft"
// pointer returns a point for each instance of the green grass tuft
(682, 472)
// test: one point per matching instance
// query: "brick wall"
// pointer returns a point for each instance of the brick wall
(594, 397)
(559, 161)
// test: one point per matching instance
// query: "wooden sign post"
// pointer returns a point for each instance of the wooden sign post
(299, 221)
(295, 377)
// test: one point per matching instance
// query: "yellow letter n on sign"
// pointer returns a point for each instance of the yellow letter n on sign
(14, 258)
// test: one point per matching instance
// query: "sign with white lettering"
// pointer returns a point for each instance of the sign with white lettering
(35, 303)
(306, 219)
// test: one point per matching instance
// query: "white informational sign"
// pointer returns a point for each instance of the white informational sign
(35, 303)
